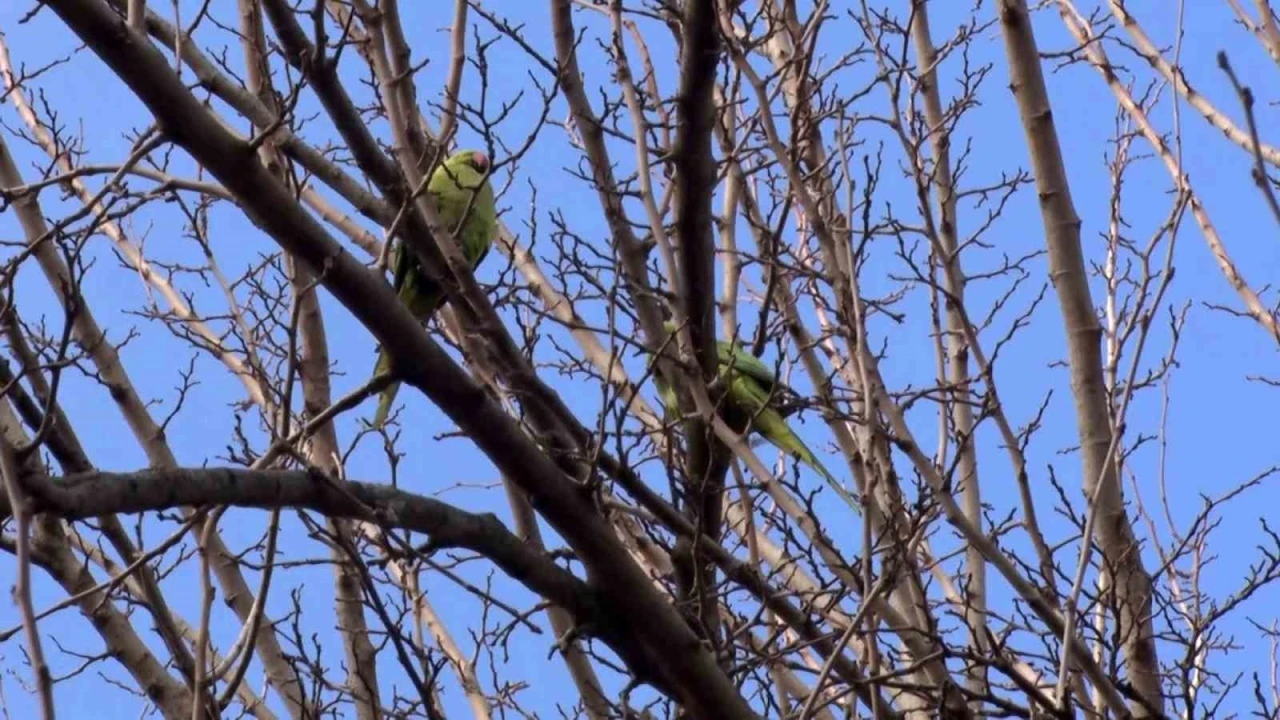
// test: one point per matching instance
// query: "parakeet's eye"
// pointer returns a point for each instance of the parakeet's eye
(479, 161)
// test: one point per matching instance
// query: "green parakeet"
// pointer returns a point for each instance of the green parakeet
(452, 186)
(754, 394)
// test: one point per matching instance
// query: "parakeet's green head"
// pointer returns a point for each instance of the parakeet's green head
(474, 159)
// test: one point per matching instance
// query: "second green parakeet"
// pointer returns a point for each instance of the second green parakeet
(753, 394)
(453, 186)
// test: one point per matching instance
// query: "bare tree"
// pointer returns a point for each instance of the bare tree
(195, 288)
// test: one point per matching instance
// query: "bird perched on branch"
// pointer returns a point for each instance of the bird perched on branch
(465, 202)
(753, 396)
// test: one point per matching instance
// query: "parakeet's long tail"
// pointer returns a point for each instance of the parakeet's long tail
(786, 440)
(834, 484)
(388, 395)
(385, 400)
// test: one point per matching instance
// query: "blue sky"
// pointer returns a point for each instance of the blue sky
(1217, 429)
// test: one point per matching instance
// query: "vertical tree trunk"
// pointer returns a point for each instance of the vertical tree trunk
(1122, 557)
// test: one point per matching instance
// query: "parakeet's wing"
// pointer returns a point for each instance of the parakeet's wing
(484, 253)
(753, 390)
(666, 395)
(752, 398)
(744, 362)
(415, 289)
(772, 426)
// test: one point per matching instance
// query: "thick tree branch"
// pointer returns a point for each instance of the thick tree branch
(695, 180)
(85, 495)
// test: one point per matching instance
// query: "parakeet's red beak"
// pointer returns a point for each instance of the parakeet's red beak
(480, 161)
